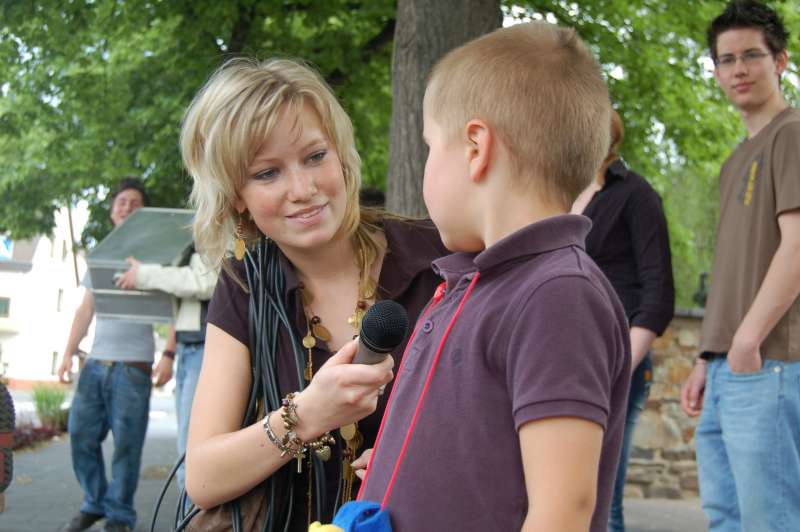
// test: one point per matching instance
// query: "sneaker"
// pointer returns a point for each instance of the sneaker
(81, 521)
(116, 526)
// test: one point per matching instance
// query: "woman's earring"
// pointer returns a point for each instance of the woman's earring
(238, 246)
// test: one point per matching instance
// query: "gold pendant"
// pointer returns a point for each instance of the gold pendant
(238, 249)
(321, 332)
(356, 442)
(309, 342)
(348, 432)
(355, 318)
(307, 298)
(308, 373)
(323, 453)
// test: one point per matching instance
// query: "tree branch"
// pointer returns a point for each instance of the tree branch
(241, 29)
(382, 39)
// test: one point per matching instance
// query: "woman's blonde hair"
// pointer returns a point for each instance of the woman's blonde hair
(225, 127)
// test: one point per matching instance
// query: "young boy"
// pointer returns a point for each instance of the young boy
(509, 405)
(745, 381)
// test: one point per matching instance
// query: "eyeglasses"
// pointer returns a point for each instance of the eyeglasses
(728, 61)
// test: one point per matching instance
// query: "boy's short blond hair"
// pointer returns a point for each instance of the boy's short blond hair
(541, 90)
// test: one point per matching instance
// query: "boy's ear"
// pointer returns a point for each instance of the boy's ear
(239, 205)
(480, 143)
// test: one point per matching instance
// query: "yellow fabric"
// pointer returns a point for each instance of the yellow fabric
(316, 526)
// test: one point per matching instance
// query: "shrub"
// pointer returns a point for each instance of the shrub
(47, 400)
(26, 435)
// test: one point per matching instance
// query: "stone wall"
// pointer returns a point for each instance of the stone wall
(662, 460)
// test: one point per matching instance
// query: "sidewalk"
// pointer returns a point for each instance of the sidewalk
(45, 494)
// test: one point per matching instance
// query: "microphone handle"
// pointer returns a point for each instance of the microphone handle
(365, 355)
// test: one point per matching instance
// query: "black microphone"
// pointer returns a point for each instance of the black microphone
(383, 328)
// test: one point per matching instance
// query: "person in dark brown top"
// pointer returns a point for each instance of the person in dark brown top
(629, 241)
(278, 405)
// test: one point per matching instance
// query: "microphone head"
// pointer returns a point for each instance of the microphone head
(384, 326)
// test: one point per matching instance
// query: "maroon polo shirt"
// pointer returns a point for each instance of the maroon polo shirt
(542, 335)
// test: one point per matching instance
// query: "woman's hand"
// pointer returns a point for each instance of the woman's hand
(340, 393)
(360, 464)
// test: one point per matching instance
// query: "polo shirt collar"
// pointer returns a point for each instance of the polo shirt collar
(552, 233)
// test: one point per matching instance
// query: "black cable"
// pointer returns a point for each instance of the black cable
(266, 314)
(164, 488)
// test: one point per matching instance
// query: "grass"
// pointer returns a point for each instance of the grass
(48, 400)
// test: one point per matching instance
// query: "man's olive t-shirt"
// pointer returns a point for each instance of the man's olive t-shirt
(757, 183)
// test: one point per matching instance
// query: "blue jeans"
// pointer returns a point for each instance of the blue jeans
(115, 397)
(637, 397)
(190, 360)
(748, 448)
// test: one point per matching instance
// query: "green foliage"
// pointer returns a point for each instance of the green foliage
(95, 90)
(678, 125)
(48, 400)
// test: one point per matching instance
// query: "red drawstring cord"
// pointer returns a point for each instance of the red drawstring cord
(418, 408)
(437, 296)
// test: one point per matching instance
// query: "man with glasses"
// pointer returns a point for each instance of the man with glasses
(745, 384)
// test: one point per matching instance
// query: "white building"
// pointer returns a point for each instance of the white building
(38, 296)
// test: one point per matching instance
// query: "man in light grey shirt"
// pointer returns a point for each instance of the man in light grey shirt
(113, 393)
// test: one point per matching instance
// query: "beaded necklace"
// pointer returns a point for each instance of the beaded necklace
(367, 289)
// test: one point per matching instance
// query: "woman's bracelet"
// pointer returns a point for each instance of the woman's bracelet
(291, 444)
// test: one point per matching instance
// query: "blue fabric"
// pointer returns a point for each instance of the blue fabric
(637, 397)
(362, 516)
(190, 359)
(748, 448)
(115, 398)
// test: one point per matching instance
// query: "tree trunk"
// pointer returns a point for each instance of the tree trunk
(425, 31)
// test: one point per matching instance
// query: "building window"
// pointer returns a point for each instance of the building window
(5, 303)
(60, 300)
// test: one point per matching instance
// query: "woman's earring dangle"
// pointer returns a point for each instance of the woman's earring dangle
(238, 245)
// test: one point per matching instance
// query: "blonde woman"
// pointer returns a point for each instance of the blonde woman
(276, 178)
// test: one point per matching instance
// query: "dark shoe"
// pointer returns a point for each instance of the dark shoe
(116, 526)
(81, 521)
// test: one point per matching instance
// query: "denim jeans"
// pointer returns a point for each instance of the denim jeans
(637, 397)
(115, 397)
(190, 359)
(748, 448)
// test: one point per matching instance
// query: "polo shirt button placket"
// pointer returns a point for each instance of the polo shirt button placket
(427, 327)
